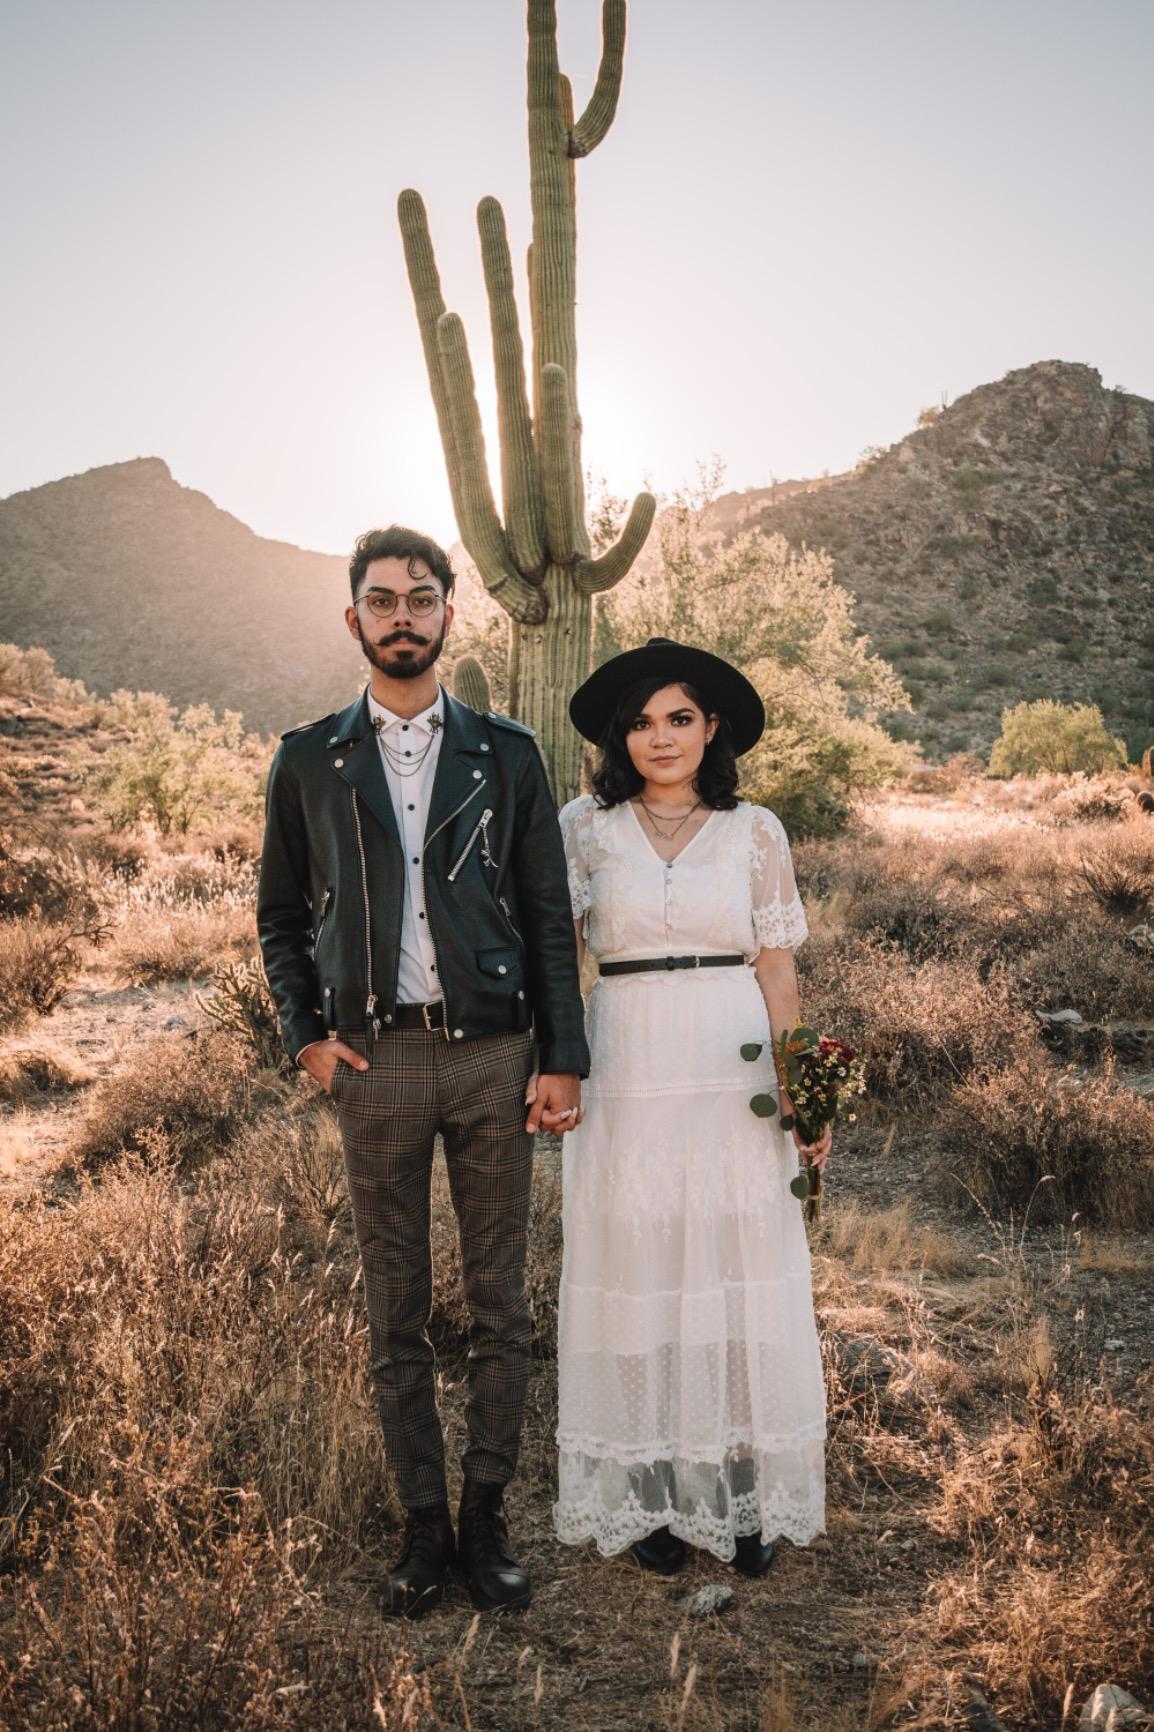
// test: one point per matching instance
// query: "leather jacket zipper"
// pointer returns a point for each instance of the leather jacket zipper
(425, 888)
(371, 1001)
(509, 918)
(325, 900)
(464, 854)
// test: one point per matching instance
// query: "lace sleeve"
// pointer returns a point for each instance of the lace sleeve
(778, 916)
(574, 819)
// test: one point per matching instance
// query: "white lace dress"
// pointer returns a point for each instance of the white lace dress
(691, 1392)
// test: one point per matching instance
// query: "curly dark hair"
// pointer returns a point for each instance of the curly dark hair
(616, 778)
(397, 542)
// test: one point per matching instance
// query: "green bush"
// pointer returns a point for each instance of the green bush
(171, 772)
(1046, 735)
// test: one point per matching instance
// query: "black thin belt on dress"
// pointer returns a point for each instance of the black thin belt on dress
(652, 964)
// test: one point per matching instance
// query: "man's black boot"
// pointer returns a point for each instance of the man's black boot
(417, 1581)
(495, 1580)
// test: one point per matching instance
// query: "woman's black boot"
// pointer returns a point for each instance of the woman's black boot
(752, 1557)
(660, 1551)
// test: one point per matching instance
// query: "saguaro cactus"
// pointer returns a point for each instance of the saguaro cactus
(534, 556)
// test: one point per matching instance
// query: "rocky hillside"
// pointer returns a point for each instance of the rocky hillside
(130, 579)
(1004, 550)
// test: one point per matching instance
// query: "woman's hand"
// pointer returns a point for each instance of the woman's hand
(816, 1153)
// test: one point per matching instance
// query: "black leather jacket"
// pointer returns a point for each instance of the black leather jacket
(496, 896)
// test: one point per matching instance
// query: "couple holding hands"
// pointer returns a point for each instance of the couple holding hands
(424, 918)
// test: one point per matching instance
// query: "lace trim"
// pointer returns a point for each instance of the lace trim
(779, 927)
(777, 1513)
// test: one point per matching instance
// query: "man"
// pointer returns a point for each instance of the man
(417, 935)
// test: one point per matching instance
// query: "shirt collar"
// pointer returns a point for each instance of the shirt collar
(392, 723)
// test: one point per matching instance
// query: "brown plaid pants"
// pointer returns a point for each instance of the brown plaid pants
(473, 1093)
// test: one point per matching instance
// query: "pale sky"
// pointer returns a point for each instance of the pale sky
(810, 219)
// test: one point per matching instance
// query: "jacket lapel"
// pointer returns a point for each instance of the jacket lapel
(462, 772)
(355, 756)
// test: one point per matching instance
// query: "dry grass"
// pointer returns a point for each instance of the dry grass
(182, 1095)
(882, 1241)
(38, 963)
(170, 931)
(40, 1067)
(1060, 1144)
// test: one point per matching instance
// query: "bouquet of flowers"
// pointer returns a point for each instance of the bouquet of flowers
(820, 1075)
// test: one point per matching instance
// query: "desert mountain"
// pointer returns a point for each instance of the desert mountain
(1003, 550)
(130, 579)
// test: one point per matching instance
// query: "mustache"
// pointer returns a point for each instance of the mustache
(401, 637)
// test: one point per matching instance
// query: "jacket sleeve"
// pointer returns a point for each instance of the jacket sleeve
(550, 942)
(284, 917)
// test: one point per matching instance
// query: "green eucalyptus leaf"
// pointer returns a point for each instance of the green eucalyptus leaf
(800, 1186)
(806, 1034)
(752, 1049)
(788, 1120)
(764, 1106)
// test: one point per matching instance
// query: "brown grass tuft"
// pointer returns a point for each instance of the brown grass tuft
(1029, 1136)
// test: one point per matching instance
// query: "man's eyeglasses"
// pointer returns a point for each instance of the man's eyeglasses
(383, 602)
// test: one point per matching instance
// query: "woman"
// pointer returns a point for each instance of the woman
(692, 1409)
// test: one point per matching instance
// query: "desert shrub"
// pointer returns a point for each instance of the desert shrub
(32, 673)
(186, 1094)
(170, 772)
(1085, 967)
(1054, 1514)
(1005, 1132)
(1047, 735)
(38, 963)
(40, 873)
(1123, 886)
(1092, 799)
(920, 1028)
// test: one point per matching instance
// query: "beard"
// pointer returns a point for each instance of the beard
(402, 656)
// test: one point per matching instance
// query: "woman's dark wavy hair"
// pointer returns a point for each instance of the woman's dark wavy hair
(616, 780)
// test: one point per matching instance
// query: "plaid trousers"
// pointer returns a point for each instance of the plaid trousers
(473, 1093)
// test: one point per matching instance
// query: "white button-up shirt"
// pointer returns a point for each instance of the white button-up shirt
(406, 738)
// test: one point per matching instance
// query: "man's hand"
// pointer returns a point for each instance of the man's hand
(322, 1057)
(554, 1103)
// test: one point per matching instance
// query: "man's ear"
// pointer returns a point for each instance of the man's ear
(353, 622)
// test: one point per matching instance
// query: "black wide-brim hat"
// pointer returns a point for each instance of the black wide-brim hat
(725, 690)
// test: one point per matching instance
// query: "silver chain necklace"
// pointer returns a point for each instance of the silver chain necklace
(667, 835)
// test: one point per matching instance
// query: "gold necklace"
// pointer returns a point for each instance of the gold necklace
(667, 835)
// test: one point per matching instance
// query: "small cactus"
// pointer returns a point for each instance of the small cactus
(471, 684)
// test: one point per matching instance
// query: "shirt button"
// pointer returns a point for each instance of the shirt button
(412, 808)
(404, 727)
(416, 859)
(421, 915)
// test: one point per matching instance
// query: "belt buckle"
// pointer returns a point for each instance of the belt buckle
(430, 1026)
(697, 962)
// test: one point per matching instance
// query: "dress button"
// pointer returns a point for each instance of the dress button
(338, 763)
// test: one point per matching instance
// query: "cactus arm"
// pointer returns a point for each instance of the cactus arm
(554, 262)
(477, 515)
(563, 523)
(470, 683)
(602, 105)
(594, 575)
(425, 282)
(520, 483)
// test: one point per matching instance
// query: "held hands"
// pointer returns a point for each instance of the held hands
(322, 1057)
(554, 1103)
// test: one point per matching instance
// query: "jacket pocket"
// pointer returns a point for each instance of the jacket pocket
(503, 965)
